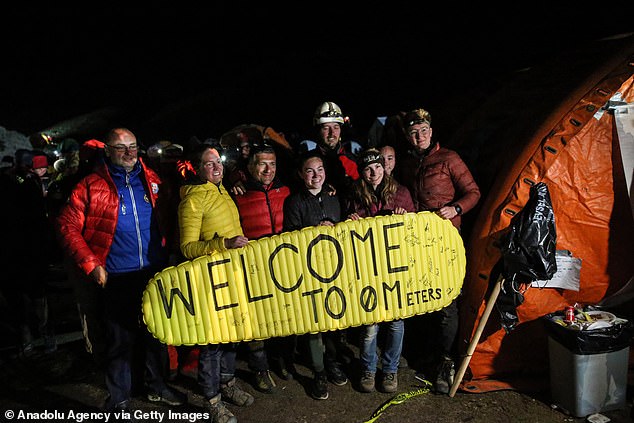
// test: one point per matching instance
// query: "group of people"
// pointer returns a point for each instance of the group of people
(118, 228)
(24, 221)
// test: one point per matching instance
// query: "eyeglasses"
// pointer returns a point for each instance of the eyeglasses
(120, 148)
(421, 132)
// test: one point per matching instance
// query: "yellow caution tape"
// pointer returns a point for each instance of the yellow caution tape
(400, 398)
(312, 280)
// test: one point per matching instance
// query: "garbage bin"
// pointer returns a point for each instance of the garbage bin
(588, 367)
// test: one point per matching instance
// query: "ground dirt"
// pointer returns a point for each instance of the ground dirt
(67, 381)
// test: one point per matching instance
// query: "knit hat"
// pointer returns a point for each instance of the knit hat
(369, 156)
(40, 161)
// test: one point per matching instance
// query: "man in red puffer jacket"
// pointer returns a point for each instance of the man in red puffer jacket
(261, 214)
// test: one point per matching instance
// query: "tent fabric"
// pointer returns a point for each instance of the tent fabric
(555, 130)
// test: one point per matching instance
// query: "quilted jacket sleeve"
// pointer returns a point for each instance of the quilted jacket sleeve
(70, 226)
(190, 221)
(467, 191)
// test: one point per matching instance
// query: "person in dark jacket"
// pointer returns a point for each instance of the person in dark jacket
(440, 182)
(111, 230)
(331, 129)
(377, 193)
(312, 206)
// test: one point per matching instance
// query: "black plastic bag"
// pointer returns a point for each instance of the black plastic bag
(594, 341)
(530, 246)
(528, 252)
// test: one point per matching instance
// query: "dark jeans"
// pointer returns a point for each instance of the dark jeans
(134, 356)
(322, 348)
(216, 365)
(448, 328)
(258, 359)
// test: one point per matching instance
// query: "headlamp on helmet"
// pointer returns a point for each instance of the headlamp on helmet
(328, 112)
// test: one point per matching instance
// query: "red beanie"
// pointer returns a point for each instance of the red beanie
(40, 162)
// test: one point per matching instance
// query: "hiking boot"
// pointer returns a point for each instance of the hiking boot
(286, 370)
(389, 383)
(232, 393)
(336, 376)
(319, 390)
(218, 411)
(126, 414)
(167, 396)
(444, 377)
(366, 384)
(264, 382)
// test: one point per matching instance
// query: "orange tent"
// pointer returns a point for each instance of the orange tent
(554, 124)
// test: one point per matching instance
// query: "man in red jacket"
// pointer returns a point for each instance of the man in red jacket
(110, 230)
(261, 214)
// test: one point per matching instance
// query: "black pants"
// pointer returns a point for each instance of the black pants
(134, 356)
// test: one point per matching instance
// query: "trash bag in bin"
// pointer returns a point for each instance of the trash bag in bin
(592, 341)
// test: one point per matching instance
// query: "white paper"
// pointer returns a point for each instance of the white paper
(567, 274)
(624, 117)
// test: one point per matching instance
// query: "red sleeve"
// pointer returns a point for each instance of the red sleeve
(350, 166)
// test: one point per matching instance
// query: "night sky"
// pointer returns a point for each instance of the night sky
(200, 72)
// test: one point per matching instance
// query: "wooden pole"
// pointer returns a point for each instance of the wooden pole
(476, 336)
